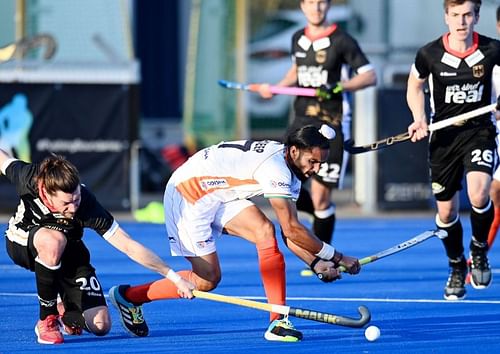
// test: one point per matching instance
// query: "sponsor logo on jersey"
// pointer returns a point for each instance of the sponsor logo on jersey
(312, 76)
(478, 70)
(280, 184)
(465, 93)
(207, 184)
(437, 188)
(300, 54)
(321, 56)
(445, 73)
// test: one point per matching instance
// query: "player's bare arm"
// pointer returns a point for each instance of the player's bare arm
(304, 243)
(416, 102)
(290, 79)
(147, 258)
(360, 81)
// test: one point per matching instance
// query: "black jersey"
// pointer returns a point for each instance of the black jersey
(458, 82)
(319, 62)
(32, 212)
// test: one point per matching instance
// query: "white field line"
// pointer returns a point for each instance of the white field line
(330, 299)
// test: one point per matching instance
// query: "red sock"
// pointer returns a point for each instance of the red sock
(494, 227)
(272, 271)
(157, 290)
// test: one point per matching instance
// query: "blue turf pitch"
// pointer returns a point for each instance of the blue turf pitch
(403, 293)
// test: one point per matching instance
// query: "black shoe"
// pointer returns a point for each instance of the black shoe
(130, 315)
(479, 268)
(455, 286)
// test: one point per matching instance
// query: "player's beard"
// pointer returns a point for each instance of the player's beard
(295, 170)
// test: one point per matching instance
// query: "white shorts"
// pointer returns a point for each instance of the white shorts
(192, 228)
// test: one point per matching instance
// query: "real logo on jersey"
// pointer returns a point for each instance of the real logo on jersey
(207, 184)
(465, 93)
(478, 70)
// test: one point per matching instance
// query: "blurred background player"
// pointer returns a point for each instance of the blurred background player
(320, 52)
(495, 183)
(209, 194)
(45, 236)
(459, 68)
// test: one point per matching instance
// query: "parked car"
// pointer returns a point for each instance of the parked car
(270, 58)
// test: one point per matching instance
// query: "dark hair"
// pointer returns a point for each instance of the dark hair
(58, 174)
(307, 137)
(498, 14)
(448, 3)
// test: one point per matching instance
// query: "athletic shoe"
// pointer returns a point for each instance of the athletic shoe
(306, 272)
(130, 315)
(282, 330)
(479, 268)
(72, 330)
(48, 331)
(455, 286)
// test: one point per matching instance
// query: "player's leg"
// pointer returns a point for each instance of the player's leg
(244, 219)
(448, 219)
(47, 246)
(82, 294)
(495, 198)
(481, 217)
(47, 328)
(189, 229)
(479, 170)
(328, 178)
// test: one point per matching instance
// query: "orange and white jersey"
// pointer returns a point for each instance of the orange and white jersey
(237, 170)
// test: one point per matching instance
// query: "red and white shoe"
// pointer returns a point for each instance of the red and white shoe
(48, 331)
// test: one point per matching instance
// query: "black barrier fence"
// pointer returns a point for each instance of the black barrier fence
(93, 125)
(403, 172)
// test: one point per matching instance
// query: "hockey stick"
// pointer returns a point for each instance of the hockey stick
(364, 313)
(392, 140)
(281, 90)
(441, 234)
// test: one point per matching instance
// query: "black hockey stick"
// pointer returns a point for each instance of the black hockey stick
(344, 321)
(441, 234)
(396, 139)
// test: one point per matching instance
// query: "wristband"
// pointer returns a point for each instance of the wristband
(313, 264)
(173, 276)
(337, 257)
(327, 252)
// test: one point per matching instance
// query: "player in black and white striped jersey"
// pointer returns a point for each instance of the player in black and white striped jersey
(45, 237)
(459, 66)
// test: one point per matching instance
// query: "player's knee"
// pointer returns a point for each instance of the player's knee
(207, 285)
(100, 328)
(50, 245)
(267, 230)
(97, 320)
